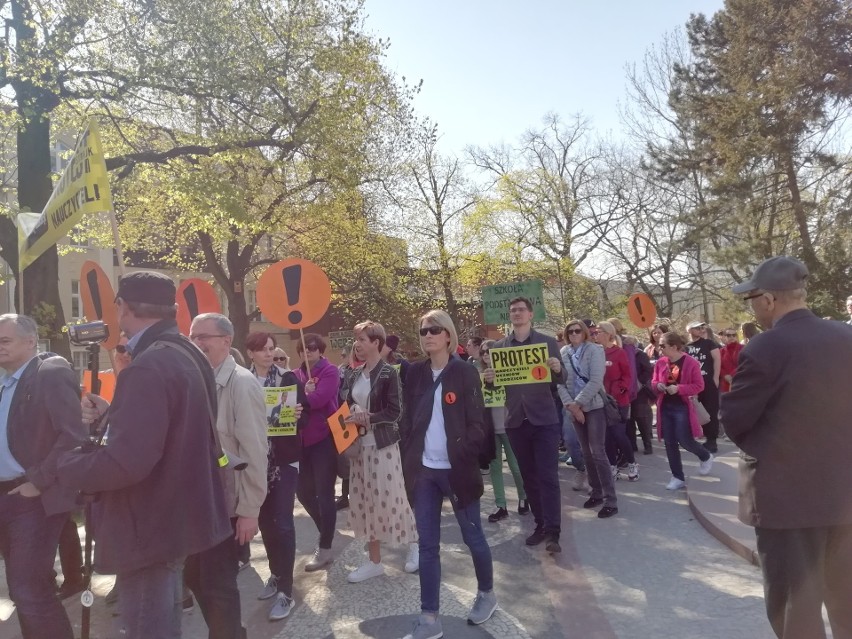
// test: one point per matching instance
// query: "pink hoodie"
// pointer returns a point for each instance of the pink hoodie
(690, 383)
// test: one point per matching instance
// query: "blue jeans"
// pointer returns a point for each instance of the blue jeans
(592, 436)
(28, 541)
(317, 476)
(535, 447)
(677, 431)
(430, 488)
(150, 601)
(277, 528)
(569, 437)
(616, 439)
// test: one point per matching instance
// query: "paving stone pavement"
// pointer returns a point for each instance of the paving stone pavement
(650, 571)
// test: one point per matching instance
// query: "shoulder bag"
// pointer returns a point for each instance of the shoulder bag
(612, 414)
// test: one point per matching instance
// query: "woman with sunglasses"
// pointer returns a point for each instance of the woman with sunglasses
(497, 415)
(318, 470)
(442, 433)
(584, 362)
(276, 524)
(677, 378)
(379, 511)
(654, 334)
(617, 382)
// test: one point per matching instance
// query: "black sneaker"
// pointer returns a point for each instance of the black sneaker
(591, 502)
(188, 603)
(341, 503)
(523, 507)
(497, 515)
(552, 544)
(607, 511)
(710, 446)
(537, 537)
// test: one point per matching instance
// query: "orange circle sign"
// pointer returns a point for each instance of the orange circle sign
(450, 398)
(293, 293)
(99, 300)
(641, 310)
(539, 372)
(194, 297)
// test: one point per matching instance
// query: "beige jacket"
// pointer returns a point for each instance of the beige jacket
(242, 430)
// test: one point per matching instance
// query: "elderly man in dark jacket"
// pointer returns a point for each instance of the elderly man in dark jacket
(39, 420)
(789, 411)
(161, 497)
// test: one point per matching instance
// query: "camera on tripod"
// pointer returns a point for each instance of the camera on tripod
(88, 334)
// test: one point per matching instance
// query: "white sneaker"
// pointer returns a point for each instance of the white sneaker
(412, 561)
(321, 559)
(633, 472)
(365, 572)
(705, 466)
(675, 484)
(281, 607)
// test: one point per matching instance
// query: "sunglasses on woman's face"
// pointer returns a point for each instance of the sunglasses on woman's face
(483, 351)
(121, 349)
(279, 359)
(311, 347)
(576, 331)
(431, 330)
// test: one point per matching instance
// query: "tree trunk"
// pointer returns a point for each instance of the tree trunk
(41, 278)
(809, 256)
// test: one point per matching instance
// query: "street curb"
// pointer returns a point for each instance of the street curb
(741, 549)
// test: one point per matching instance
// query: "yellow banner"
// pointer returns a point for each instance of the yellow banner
(280, 411)
(493, 397)
(520, 365)
(83, 188)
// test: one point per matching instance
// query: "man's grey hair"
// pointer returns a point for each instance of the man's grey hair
(223, 324)
(794, 295)
(24, 324)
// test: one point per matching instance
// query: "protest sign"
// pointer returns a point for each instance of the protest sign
(107, 382)
(194, 297)
(344, 434)
(641, 310)
(293, 293)
(82, 188)
(495, 300)
(493, 397)
(280, 410)
(338, 340)
(520, 365)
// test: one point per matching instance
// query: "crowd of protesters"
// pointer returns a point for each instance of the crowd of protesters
(188, 435)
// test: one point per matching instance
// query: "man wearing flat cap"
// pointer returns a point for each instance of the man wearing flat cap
(789, 411)
(161, 496)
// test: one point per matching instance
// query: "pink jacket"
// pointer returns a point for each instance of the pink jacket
(690, 383)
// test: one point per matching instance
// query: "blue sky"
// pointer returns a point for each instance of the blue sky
(492, 69)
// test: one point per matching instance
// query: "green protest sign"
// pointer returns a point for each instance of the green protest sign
(495, 300)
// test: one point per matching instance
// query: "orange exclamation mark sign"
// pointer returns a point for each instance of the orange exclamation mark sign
(292, 285)
(641, 310)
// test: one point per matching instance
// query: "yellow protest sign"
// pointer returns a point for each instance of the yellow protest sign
(520, 365)
(280, 410)
(83, 188)
(493, 397)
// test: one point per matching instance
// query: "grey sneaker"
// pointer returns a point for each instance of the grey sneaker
(483, 607)
(270, 589)
(581, 482)
(281, 608)
(424, 629)
(321, 559)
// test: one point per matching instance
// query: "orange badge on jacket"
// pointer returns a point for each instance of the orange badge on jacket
(450, 398)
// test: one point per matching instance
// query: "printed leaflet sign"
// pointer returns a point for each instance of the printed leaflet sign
(520, 365)
(280, 410)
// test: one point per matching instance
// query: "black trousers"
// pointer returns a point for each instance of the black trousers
(642, 417)
(709, 398)
(804, 568)
(212, 577)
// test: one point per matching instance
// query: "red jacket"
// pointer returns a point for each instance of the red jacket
(617, 379)
(730, 354)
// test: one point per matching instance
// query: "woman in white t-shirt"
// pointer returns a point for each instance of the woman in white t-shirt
(442, 433)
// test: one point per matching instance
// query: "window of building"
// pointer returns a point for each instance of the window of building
(251, 304)
(80, 360)
(76, 304)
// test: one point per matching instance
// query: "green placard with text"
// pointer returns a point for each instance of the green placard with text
(496, 298)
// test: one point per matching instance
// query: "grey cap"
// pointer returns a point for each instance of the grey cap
(695, 324)
(779, 273)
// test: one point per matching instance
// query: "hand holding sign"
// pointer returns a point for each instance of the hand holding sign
(344, 433)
